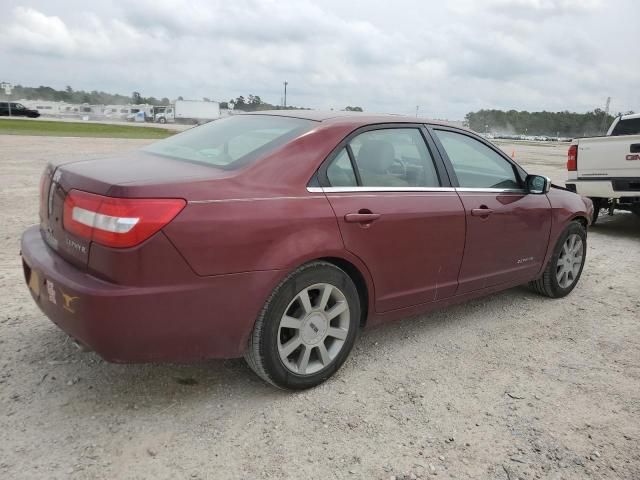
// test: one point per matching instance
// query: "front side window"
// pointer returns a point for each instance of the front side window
(392, 157)
(475, 164)
(231, 142)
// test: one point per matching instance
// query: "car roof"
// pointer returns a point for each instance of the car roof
(356, 118)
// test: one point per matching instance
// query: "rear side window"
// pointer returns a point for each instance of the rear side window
(391, 157)
(231, 142)
(340, 173)
(475, 164)
(630, 126)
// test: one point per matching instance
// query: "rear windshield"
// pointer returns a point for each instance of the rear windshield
(232, 142)
(627, 127)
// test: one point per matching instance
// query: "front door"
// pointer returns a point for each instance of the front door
(395, 214)
(507, 229)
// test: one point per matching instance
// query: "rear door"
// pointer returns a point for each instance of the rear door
(507, 229)
(398, 213)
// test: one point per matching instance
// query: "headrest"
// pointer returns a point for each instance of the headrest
(376, 156)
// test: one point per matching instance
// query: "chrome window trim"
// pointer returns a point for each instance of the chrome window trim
(378, 189)
(491, 190)
(412, 189)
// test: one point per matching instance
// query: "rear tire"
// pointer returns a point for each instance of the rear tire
(565, 266)
(306, 329)
(597, 206)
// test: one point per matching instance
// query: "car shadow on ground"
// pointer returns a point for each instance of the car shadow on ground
(621, 225)
(161, 387)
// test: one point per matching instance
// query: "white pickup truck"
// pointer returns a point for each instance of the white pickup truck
(607, 169)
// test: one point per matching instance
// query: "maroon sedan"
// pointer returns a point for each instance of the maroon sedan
(278, 235)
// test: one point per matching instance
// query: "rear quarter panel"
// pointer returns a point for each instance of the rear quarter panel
(248, 234)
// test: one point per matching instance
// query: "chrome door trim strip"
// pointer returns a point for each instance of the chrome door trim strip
(377, 189)
(412, 189)
(491, 190)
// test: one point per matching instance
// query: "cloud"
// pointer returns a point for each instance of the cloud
(31, 31)
(450, 59)
(530, 10)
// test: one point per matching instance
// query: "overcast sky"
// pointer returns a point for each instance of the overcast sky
(449, 57)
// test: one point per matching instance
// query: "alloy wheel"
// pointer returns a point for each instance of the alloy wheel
(313, 329)
(570, 261)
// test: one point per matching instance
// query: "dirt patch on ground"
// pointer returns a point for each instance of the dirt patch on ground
(512, 386)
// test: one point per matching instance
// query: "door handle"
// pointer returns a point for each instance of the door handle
(483, 211)
(635, 148)
(361, 217)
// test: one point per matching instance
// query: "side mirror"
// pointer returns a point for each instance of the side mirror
(537, 184)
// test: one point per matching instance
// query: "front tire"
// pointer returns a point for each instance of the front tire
(306, 329)
(565, 266)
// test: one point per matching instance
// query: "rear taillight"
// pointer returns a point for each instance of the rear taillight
(572, 158)
(117, 222)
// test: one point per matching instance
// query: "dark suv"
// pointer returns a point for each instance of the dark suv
(17, 110)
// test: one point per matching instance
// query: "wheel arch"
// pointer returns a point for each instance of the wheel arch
(358, 279)
(355, 268)
(583, 220)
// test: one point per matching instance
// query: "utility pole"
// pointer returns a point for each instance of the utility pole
(606, 114)
(285, 94)
(7, 90)
(417, 108)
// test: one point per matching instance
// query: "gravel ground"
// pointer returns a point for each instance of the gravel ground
(512, 386)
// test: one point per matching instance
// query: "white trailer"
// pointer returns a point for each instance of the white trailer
(190, 111)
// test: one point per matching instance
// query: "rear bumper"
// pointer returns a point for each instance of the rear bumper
(210, 317)
(609, 188)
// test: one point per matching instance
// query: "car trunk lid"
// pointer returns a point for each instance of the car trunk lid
(135, 175)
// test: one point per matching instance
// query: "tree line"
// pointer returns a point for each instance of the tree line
(70, 95)
(249, 103)
(513, 122)
(551, 124)
(253, 103)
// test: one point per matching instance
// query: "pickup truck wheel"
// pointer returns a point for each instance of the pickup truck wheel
(597, 206)
(565, 265)
(306, 329)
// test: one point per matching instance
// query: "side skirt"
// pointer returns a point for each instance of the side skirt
(393, 315)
